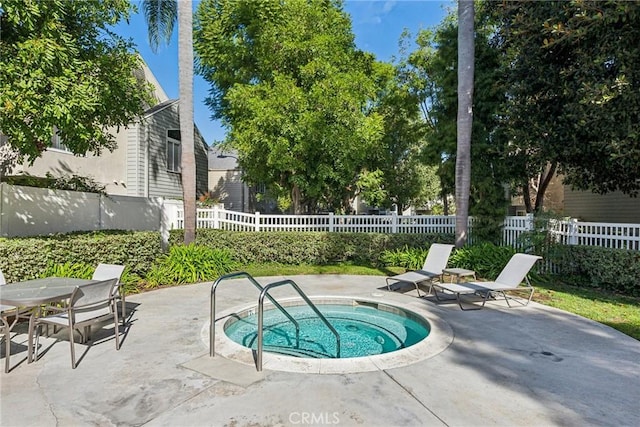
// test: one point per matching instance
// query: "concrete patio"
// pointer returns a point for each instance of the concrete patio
(518, 366)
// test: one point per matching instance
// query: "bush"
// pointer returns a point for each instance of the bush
(315, 248)
(615, 270)
(190, 264)
(486, 259)
(29, 258)
(408, 258)
(128, 280)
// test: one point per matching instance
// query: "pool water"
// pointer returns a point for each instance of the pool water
(364, 330)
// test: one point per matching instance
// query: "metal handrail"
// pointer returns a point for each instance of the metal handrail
(212, 329)
(265, 292)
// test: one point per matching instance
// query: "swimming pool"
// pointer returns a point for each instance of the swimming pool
(365, 329)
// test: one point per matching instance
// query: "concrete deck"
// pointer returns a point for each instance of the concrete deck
(522, 366)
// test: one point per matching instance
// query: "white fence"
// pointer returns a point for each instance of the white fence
(570, 232)
(28, 211)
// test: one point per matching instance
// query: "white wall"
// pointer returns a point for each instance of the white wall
(29, 211)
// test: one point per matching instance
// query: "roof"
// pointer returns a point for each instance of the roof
(159, 107)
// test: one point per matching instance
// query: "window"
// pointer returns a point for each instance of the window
(56, 142)
(173, 150)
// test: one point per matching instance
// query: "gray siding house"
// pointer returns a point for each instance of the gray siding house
(225, 181)
(146, 162)
(612, 207)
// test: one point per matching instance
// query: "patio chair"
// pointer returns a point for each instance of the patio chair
(89, 305)
(112, 271)
(436, 261)
(509, 280)
(6, 326)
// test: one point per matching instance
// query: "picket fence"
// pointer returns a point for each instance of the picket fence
(570, 232)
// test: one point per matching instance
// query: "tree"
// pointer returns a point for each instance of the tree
(572, 70)
(161, 16)
(465, 117)
(406, 181)
(294, 93)
(63, 70)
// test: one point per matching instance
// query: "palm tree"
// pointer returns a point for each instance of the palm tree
(161, 16)
(465, 117)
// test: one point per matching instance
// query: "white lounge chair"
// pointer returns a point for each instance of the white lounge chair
(436, 261)
(509, 280)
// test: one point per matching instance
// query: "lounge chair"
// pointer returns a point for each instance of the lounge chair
(436, 261)
(509, 280)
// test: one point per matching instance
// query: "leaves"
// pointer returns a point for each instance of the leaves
(62, 67)
(293, 90)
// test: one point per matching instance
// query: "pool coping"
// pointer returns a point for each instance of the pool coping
(439, 338)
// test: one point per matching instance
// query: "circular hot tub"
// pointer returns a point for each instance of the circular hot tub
(374, 335)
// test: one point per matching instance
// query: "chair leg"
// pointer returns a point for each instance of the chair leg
(73, 352)
(7, 351)
(7, 339)
(30, 347)
(124, 308)
(116, 328)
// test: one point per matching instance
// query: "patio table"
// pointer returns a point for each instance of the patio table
(37, 292)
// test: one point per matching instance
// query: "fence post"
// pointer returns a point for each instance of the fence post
(530, 222)
(216, 221)
(257, 221)
(573, 231)
(331, 222)
(394, 222)
(167, 216)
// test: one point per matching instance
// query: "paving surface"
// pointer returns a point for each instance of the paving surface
(521, 366)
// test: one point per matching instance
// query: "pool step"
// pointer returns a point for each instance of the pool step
(296, 352)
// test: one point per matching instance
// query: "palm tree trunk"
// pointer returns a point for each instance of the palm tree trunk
(465, 117)
(188, 162)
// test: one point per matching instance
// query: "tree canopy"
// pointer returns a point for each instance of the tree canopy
(62, 69)
(294, 92)
(572, 71)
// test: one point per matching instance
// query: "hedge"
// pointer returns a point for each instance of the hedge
(308, 247)
(616, 270)
(26, 258)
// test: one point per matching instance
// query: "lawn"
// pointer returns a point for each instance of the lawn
(619, 312)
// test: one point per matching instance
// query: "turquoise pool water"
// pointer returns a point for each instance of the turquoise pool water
(364, 330)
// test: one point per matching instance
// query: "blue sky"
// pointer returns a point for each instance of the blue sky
(377, 26)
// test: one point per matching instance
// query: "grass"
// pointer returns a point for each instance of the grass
(619, 312)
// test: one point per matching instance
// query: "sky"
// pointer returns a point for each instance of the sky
(376, 24)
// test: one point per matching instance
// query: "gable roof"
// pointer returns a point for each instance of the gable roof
(159, 107)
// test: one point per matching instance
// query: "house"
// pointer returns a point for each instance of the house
(225, 181)
(146, 162)
(586, 206)
(611, 207)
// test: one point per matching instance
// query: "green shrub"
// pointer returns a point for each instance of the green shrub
(190, 264)
(128, 280)
(68, 269)
(28, 258)
(486, 259)
(314, 248)
(615, 270)
(408, 258)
